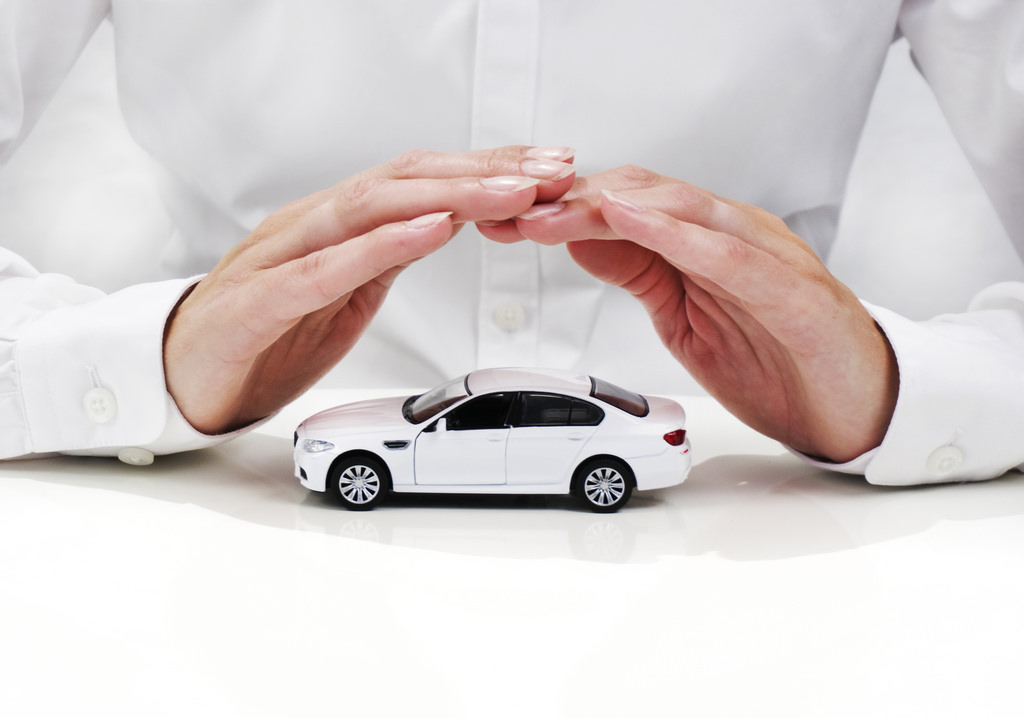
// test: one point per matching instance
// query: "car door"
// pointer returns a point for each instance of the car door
(468, 447)
(549, 431)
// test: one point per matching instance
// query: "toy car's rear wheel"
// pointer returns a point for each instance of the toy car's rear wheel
(359, 482)
(604, 485)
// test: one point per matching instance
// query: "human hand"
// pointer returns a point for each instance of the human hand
(738, 299)
(290, 300)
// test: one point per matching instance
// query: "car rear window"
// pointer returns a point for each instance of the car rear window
(629, 401)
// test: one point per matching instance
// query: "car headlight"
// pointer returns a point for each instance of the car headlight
(315, 446)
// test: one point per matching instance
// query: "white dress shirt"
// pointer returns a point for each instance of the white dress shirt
(249, 104)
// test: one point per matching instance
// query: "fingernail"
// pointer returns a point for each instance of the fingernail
(620, 201)
(427, 220)
(547, 169)
(552, 152)
(509, 183)
(542, 210)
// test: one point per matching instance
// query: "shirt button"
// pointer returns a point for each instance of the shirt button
(100, 405)
(945, 460)
(135, 457)
(510, 316)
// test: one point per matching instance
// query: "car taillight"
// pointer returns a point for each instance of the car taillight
(676, 438)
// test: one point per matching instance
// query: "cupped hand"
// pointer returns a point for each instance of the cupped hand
(738, 299)
(282, 307)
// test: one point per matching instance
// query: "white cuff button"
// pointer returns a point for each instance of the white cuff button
(135, 457)
(100, 404)
(945, 460)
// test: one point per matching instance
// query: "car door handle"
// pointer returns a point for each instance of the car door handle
(577, 437)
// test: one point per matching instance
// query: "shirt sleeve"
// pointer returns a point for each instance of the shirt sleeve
(961, 398)
(81, 371)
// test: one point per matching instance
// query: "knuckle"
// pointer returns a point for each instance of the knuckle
(504, 160)
(408, 164)
(697, 203)
(357, 192)
(581, 187)
(310, 271)
(737, 252)
(770, 221)
(811, 270)
(497, 163)
(637, 176)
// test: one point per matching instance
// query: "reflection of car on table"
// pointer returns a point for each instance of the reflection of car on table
(498, 431)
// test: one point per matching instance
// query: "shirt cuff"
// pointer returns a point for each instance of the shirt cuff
(92, 378)
(961, 395)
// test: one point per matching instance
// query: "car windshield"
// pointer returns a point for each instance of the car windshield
(630, 402)
(420, 408)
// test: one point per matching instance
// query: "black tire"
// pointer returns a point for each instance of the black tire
(359, 482)
(604, 485)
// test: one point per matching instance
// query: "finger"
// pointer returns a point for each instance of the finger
(359, 208)
(430, 182)
(578, 213)
(791, 297)
(742, 270)
(564, 221)
(578, 216)
(501, 232)
(620, 263)
(659, 285)
(682, 200)
(552, 165)
(511, 231)
(314, 281)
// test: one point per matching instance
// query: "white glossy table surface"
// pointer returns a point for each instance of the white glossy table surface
(213, 584)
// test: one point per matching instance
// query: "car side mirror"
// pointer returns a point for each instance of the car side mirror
(439, 425)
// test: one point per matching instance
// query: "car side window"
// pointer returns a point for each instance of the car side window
(544, 410)
(484, 412)
(585, 414)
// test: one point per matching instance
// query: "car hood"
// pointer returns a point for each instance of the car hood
(360, 416)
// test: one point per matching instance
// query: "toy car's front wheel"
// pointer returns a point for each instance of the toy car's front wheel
(359, 482)
(605, 485)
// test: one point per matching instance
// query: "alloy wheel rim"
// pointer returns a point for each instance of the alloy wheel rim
(604, 486)
(359, 484)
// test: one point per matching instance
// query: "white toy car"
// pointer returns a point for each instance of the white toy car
(498, 431)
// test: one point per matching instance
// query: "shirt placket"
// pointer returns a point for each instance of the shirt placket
(504, 93)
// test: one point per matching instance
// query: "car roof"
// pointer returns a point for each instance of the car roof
(483, 381)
